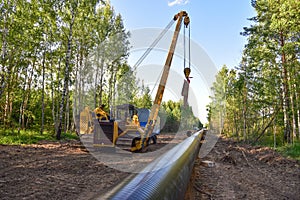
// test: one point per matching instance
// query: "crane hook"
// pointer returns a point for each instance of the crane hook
(187, 72)
(186, 21)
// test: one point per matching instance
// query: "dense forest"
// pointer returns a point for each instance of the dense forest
(58, 57)
(259, 100)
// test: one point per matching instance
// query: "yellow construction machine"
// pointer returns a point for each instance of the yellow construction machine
(120, 128)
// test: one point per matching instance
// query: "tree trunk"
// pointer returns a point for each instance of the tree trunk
(52, 93)
(298, 109)
(236, 129)
(96, 79)
(274, 132)
(3, 51)
(27, 95)
(43, 91)
(245, 137)
(296, 96)
(285, 94)
(101, 81)
(245, 92)
(66, 78)
(22, 103)
(294, 126)
(81, 82)
(114, 90)
(76, 92)
(267, 126)
(8, 97)
(57, 97)
(110, 85)
(67, 115)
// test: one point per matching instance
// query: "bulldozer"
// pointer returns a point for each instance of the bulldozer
(120, 130)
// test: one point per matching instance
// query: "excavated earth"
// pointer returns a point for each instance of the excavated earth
(52, 170)
(238, 171)
(66, 170)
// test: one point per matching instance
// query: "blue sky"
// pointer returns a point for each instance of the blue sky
(215, 24)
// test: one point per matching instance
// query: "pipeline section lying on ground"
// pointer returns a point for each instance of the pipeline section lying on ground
(167, 177)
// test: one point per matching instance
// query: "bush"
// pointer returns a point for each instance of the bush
(291, 150)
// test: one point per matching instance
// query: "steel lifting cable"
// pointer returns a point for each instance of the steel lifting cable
(190, 45)
(189, 48)
(184, 48)
(140, 60)
(187, 70)
(154, 43)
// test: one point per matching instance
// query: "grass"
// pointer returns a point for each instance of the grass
(290, 150)
(286, 150)
(12, 137)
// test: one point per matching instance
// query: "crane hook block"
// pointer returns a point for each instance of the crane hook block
(187, 72)
(186, 21)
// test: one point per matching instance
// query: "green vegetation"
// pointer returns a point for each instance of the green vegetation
(258, 101)
(268, 141)
(291, 150)
(12, 137)
(177, 117)
(74, 54)
(58, 58)
(42, 59)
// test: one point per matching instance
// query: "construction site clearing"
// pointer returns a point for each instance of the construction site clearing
(66, 170)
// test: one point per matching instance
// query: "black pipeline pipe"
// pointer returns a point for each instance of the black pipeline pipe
(167, 177)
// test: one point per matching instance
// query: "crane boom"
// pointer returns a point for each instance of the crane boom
(161, 88)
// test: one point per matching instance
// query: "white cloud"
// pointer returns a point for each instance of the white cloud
(178, 2)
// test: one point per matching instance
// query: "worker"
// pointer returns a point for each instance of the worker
(135, 120)
(100, 113)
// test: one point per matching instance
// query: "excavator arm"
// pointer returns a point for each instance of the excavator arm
(179, 17)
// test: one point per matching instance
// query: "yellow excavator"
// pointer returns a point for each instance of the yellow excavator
(122, 128)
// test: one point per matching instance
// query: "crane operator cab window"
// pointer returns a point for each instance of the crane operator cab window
(100, 113)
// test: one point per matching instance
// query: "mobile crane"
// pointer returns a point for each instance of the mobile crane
(139, 143)
(108, 132)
